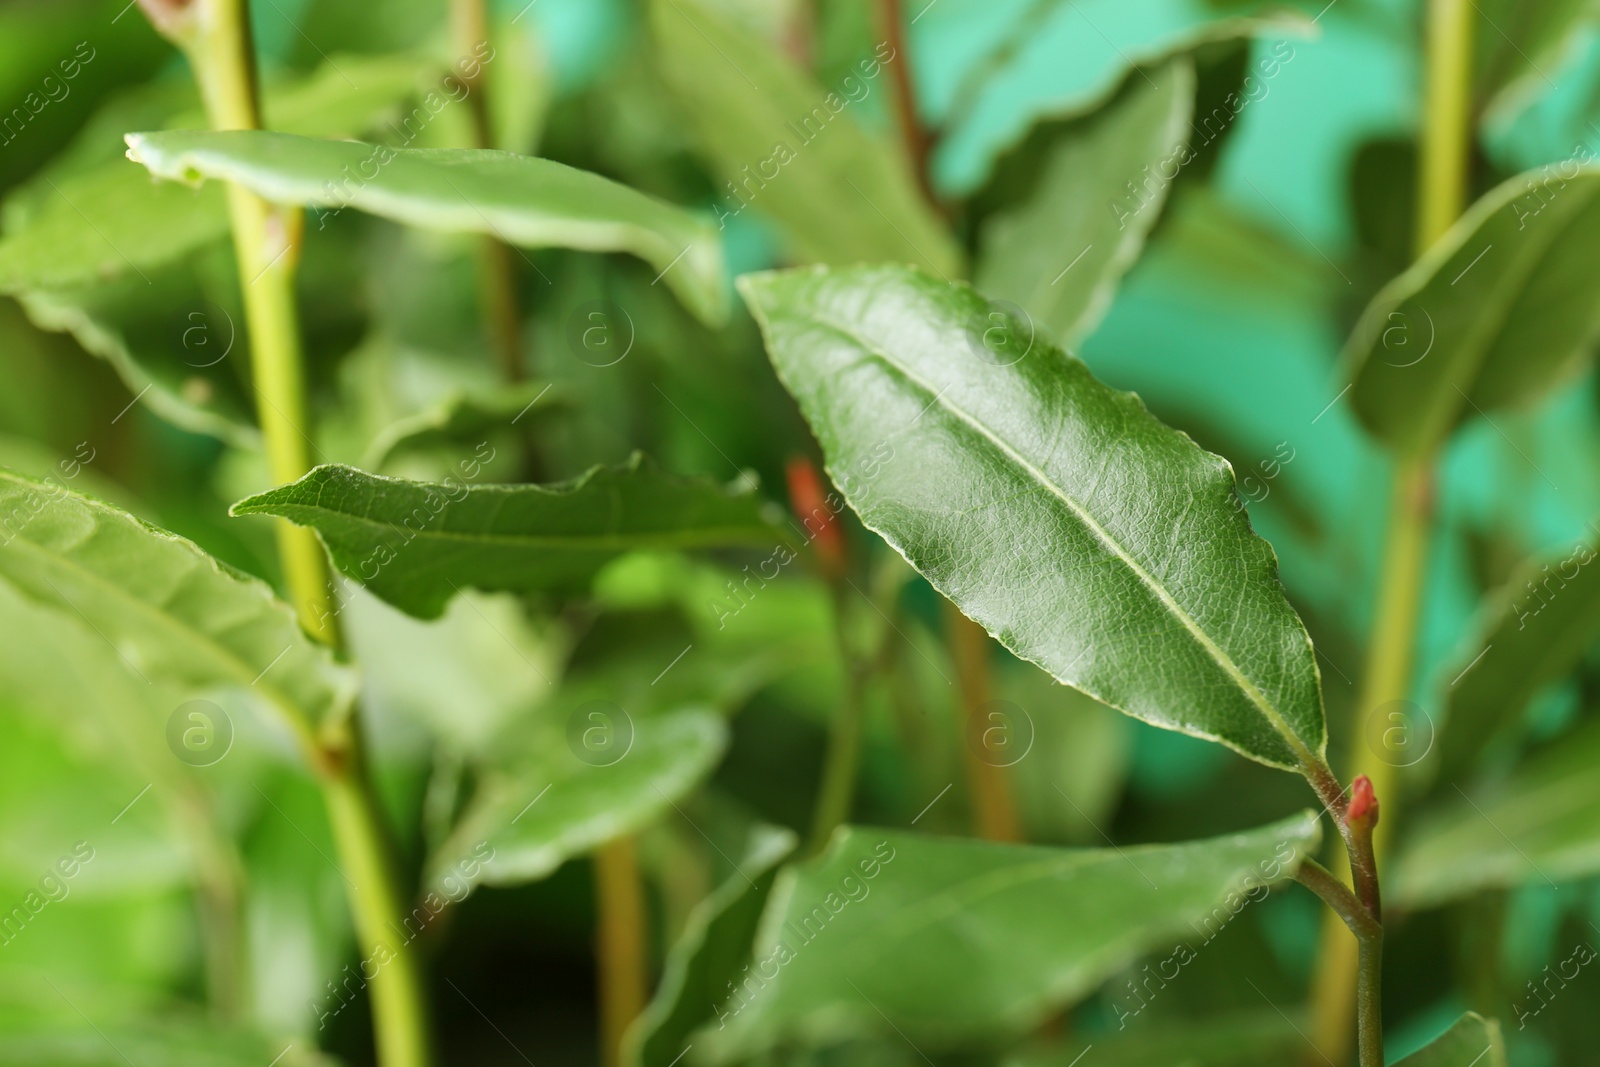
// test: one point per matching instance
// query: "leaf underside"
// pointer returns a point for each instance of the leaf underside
(520, 199)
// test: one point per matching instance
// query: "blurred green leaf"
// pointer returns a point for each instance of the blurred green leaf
(520, 199)
(1539, 825)
(1232, 1041)
(465, 676)
(1061, 57)
(106, 223)
(786, 146)
(707, 958)
(1055, 511)
(1093, 190)
(175, 615)
(173, 1045)
(1494, 315)
(534, 813)
(415, 544)
(1516, 44)
(1472, 1041)
(950, 940)
(1537, 630)
(101, 223)
(462, 418)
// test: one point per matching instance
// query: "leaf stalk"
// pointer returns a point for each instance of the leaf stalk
(215, 36)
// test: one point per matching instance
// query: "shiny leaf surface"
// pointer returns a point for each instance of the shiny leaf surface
(1058, 513)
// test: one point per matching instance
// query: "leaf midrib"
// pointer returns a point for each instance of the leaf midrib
(693, 538)
(1274, 718)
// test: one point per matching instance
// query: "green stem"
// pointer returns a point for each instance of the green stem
(469, 30)
(215, 35)
(1369, 1006)
(399, 1018)
(1447, 119)
(619, 942)
(1337, 895)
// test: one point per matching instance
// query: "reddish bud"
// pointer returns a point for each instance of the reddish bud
(1363, 801)
(816, 513)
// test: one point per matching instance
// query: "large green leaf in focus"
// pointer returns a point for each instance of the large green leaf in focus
(1060, 514)
(534, 813)
(708, 956)
(793, 151)
(175, 615)
(415, 544)
(1539, 627)
(520, 199)
(1499, 310)
(953, 940)
(1060, 251)
(1471, 1041)
(1541, 825)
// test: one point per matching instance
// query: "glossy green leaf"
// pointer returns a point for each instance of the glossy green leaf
(536, 812)
(1537, 629)
(792, 150)
(1471, 1041)
(953, 940)
(1060, 251)
(1497, 312)
(1058, 513)
(415, 544)
(175, 615)
(522, 200)
(1541, 825)
(708, 956)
